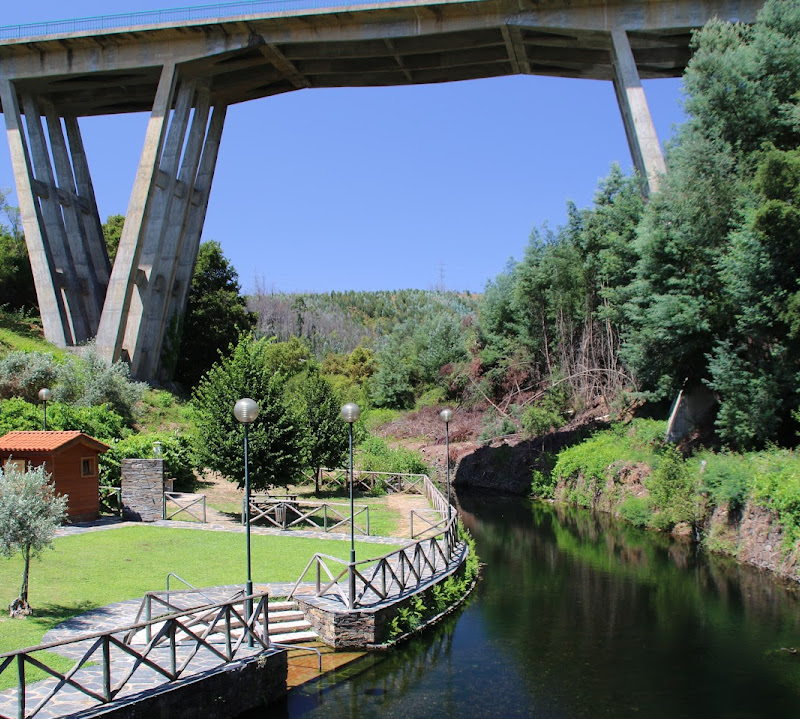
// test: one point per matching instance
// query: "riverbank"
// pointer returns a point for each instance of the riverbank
(746, 506)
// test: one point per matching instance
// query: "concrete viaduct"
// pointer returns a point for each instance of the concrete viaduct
(186, 71)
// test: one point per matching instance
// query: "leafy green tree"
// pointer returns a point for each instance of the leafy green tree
(215, 314)
(30, 512)
(275, 439)
(325, 435)
(112, 232)
(16, 279)
(715, 296)
(176, 451)
(393, 384)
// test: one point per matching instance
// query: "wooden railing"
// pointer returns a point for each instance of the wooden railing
(184, 501)
(428, 525)
(292, 513)
(395, 575)
(171, 642)
(110, 499)
(337, 479)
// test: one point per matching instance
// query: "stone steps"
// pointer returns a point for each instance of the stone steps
(287, 624)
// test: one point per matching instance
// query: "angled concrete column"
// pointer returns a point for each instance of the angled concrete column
(642, 139)
(182, 232)
(126, 276)
(89, 214)
(46, 273)
(158, 249)
(145, 316)
(81, 222)
(197, 214)
(73, 289)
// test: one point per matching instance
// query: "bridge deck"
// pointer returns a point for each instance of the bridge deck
(113, 70)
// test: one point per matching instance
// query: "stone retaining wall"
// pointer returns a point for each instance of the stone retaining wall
(362, 628)
(221, 693)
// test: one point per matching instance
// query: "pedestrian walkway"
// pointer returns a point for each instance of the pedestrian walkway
(107, 523)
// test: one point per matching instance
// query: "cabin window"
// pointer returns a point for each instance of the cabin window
(87, 467)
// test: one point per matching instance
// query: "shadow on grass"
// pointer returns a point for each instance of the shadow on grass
(54, 614)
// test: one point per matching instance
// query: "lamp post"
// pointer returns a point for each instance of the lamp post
(44, 395)
(246, 412)
(447, 416)
(350, 413)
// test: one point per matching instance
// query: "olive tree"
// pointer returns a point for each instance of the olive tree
(30, 511)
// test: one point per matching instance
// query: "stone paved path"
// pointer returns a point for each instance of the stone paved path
(113, 523)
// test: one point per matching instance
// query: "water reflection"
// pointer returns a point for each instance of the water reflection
(579, 616)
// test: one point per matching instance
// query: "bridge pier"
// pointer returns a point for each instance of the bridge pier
(648, 157)
(161, 237)
(60, 217)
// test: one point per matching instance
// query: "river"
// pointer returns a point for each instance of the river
(575, 616)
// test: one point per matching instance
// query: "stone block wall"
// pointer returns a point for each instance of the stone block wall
(142, 489)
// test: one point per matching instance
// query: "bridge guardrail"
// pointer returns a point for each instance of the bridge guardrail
(220, 11)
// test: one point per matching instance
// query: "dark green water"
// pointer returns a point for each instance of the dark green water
(579, 616)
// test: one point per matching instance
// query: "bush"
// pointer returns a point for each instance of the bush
(543, 484)
(727, 477)
(634, 442)
(636, 510)
(101, 422)
(672, 490)
(537, 420)
(23, 374)
(176, 451)
(776, 486)
(85, 381)
(375, 455)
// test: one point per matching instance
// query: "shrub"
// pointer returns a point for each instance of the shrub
(85, 381)
(776, 486)
(538, 420)
(23, 374)
(101, 422)
(672, 490)
(375, 455)
(543, 484)
(176, 451)
(636, 510)
(727, 477)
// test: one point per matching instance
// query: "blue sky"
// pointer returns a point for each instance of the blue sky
(382, 188)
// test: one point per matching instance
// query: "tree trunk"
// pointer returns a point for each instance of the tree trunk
(20, 607)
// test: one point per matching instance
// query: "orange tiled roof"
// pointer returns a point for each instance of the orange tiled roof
(46, 441)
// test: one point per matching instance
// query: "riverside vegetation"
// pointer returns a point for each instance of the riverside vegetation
(739, 504)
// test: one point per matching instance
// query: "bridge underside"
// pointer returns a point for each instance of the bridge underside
(186, 75)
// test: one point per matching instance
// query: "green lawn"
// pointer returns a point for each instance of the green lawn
(94, 569)
(383, 521)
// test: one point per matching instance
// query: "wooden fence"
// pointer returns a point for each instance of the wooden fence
(171, 642)
(184, 501)
(293, 513)
(332, 480)
(390, 577)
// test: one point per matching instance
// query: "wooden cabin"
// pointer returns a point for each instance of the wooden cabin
(70, 457)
